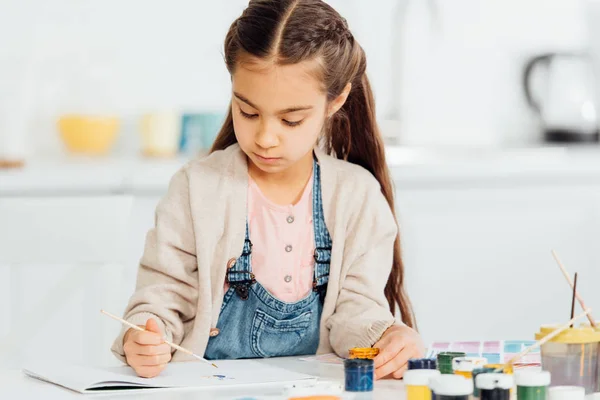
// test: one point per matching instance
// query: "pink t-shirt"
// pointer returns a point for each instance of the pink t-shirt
(283, 244)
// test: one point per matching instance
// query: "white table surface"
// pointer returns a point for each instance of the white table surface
(15, 385)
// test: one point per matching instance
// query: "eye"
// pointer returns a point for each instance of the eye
(292, 123)
(246, 115)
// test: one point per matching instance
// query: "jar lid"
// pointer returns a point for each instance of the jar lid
(566, 393)
(490, 381)
(363, 352)
(532, 378)
(468, 364)
(419, 377)
(422, 363)
(451, 385)
(577, 335)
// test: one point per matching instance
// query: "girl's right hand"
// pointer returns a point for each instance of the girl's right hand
(146, 352)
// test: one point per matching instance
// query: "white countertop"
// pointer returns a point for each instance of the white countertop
(15, 385)
(411, 167)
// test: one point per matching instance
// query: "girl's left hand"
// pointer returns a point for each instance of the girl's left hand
(397, 345)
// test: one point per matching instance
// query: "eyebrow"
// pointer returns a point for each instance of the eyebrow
(284, 111)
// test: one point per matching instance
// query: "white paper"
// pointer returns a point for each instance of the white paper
(231, 373)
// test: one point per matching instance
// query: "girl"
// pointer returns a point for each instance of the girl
(271, 246)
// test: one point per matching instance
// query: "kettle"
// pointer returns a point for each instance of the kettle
(560, 88)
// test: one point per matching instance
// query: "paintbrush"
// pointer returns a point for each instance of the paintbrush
(568, 278)
(173, 345)
(573, 300)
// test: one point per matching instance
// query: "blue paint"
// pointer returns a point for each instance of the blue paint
(221, 377)
(359, 375)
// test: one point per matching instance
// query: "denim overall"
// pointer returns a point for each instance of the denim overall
(255, 324)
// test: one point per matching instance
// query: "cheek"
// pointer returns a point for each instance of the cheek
(308, 133)
(244, 131)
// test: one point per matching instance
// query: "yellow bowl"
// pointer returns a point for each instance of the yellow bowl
(87, 134)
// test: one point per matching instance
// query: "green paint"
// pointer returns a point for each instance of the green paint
(531, 392)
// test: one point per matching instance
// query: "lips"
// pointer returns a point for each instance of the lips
(267, 159)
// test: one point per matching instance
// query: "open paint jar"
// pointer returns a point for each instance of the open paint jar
(572, 357)
(464, 366)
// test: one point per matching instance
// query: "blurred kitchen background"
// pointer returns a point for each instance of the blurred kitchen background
(488, 107)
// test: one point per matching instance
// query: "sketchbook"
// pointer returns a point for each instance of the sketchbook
(196, 375)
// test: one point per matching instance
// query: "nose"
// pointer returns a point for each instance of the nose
(266, 137)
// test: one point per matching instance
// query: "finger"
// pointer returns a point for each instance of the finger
(400, 373)
(388, 350)
(395, 364)
(152, 326)
(151, 350)
(152, 361)
(146, 338)
(150, 372)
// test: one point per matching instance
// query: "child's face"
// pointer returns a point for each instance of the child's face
(278, 113)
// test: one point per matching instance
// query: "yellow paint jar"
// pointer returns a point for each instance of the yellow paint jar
(416, 382)
(464, 366)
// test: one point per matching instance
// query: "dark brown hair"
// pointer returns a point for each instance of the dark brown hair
(291, 31)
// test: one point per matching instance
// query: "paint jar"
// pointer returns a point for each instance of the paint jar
(416, 382)
(444, 361)
(494, 386)
(532, 384)
(422, 363)
(464, 366)
(566, 393)
(365, 353)
(451, 387)
(571, 357)
(359, 375)
(476, 372)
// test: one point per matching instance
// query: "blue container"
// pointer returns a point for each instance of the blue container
(359, 375)
(422, 363)
(199, 130)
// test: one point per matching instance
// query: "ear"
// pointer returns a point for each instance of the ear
(339, 101)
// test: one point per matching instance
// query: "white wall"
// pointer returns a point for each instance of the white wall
(460, 63)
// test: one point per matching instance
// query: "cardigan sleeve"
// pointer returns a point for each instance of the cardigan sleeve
(362, 312)
(167, 279)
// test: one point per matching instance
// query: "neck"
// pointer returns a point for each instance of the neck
(300, 172)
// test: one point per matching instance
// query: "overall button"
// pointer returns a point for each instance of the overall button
(214, 332)
(288, 278)
(231, 263)
(290, 219)
(288, 248)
